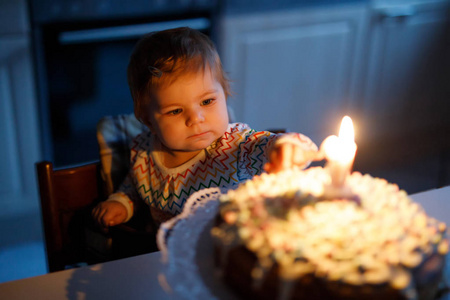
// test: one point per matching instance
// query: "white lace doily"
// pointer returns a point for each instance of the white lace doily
(187, 249)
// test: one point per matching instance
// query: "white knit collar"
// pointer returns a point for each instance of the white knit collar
(157, 158)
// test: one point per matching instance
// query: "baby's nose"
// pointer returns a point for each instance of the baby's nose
(195, 117)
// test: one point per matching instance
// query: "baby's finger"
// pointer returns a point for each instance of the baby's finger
(298, 158)
(112, 221)
(286, 156)
(106, 217)
(268, 167)
(104, 222)
(274, 158)
(319, 155)
(96, 214)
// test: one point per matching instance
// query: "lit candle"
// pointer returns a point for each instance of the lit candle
(340, 152)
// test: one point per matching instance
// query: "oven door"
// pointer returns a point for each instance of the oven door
(83, 77)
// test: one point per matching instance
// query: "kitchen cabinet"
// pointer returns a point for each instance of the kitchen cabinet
(19, 132)
(385, 63)
(407, 73)
(294, 69)
(403, 118)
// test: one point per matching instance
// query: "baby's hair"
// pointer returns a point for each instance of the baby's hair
(161, 57)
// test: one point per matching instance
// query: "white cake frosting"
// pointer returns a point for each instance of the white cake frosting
(369, 232)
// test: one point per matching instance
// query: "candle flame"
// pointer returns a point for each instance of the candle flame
(346, 132)
(340, 152)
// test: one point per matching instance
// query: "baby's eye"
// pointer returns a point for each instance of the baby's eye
(207, 101)
(175, 111)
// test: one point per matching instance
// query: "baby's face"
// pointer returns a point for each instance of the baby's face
(190, 113)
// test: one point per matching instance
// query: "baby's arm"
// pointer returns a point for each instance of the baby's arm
(263, 150)
(291, 151)
(118, 208)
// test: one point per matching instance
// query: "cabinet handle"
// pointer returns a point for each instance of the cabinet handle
(396, 12)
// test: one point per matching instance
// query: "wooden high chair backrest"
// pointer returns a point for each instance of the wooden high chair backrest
(71, 237)
(67, 196)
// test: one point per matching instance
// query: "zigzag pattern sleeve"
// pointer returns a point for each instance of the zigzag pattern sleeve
(256, 146)
(253, 152)
(126, 193)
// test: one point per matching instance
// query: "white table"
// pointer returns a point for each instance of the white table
(141, 277)
(130, 278)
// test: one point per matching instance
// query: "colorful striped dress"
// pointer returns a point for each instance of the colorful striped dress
(238, 156)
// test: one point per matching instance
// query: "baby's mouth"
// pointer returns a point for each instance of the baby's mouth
(199, 134)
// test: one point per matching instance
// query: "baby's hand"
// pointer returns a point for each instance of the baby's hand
(109, 213)
(288, 155)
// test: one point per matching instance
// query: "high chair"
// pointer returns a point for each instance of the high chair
(71, 237)
(68, 195)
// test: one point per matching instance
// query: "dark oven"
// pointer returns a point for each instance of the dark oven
(81, 50)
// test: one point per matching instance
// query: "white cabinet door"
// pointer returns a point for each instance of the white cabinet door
(296, 70)
(405, 110)
(406, 79)
(19, 126)
(19, 132)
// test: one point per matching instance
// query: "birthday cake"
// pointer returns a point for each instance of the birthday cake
(292, 235)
